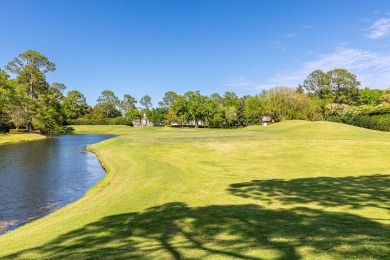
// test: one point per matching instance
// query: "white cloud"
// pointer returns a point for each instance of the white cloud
(365, 20)
(372, 69)
(243, 83)
(380, 29)
(289, 35)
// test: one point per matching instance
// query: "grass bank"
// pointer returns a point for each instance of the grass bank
(17, 138)
(293, 190)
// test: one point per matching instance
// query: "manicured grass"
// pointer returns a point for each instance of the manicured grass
(17, 138)
(293, 190)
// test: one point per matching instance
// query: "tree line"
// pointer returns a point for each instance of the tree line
(29, 101)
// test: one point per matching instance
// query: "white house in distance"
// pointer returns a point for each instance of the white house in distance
(265, 120)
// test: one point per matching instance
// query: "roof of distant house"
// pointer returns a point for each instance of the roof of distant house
(266, 119)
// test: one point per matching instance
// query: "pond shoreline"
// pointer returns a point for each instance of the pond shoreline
(60, 196)
(24, 138)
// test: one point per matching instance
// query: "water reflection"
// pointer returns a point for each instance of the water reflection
(37, 178)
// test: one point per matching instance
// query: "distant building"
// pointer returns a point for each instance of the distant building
(142, 122)
(265, 120)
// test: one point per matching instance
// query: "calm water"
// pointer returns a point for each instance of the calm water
(39, 177)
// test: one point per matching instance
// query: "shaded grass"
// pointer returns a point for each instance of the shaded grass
(248, 231)
(295, 190)
(355, 192)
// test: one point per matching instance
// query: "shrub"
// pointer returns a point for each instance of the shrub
(105, 121)
(18, 131)
(379, 122)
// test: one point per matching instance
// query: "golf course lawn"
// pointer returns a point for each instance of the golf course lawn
(292, 190)
(17, 138)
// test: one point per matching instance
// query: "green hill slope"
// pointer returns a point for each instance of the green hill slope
(292, 190)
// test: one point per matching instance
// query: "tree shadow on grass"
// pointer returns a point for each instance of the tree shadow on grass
(356, 192)
(177, 231)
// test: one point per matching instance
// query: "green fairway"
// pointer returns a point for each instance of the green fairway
(17, 138)
(292, 190)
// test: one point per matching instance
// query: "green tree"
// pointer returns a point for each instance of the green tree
(214, 113)
(386, 95)
(4, 101)
(196, 106)
(254, 108)
(106, 106)
(230, 99)
(74, 105)
(30, 68)
(281, 103)
(344, 86)
(318, 85)
(171, 116)
(231, 115)
(167, 99)
(157, 115)
(127, 104)
(146, 102)
(371, 97)
(191, 107)
(217, 97)
(241, 119)
(179, 108)
(133, 114)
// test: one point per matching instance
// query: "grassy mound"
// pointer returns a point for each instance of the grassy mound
(293, 190)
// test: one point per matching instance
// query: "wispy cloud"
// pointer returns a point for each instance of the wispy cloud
(243, 83)
(289, 35)
(379, 29)
(307, 27)
(365, 20)
(371, 68)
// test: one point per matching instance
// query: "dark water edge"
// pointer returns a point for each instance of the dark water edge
(37, 178)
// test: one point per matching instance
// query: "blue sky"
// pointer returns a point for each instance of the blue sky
(150, 47)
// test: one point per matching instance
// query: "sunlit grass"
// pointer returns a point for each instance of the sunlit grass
(17, 138)
(286, 191)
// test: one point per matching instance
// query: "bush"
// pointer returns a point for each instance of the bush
(18, 131)
(376, 118)
(379, 122)
(23, 131)
(105, 121)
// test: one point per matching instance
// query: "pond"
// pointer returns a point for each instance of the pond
(36, 178)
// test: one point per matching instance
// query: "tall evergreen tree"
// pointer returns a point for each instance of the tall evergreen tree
(31, 91)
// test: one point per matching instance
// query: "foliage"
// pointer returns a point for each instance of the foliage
(376, 118)
(379, 122)
(171, 117)
(146, 102)
(338, 85)
(32, 101)
(371, 97)
(317, 84)
(127, 104)
(157, 115)
(281, 103)
(103, 121)
(167, 99)
(254, 109)
(341, 113)
(107, 105)
(386, 95)
(74, 105)
(18, 131)
(344, 86)
(5, 120)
